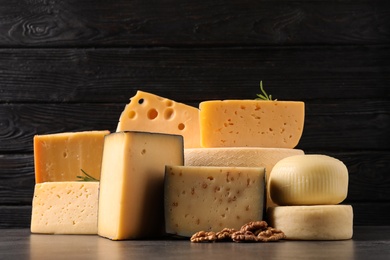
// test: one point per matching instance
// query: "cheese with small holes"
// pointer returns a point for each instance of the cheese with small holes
(212, 198)
(65, 208)
(239, 157)
(131, 204)
(308, 179)
(251, 123)
(315, 222)
(62, 156)
(152, 113)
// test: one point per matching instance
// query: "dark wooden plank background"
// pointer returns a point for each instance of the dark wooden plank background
(73, 65)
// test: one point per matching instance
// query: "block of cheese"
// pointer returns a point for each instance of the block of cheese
(316, 222)
(239, 157)
(212, 198)
(308, 179)
(62, 156)
(252, 123)
(65, 207)
(132, 183)
(152, 113)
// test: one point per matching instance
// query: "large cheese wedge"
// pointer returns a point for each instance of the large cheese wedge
(132, 182)
(62, 156)
(317, 222)
(239, 157)
(212, 198)
(253, 123)
(65, 208)
(152, 113)
(308, 179)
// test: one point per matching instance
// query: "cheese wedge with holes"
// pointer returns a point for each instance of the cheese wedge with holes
(152, 113)
(62, 156)
(239, 157)
(251, 123)
(132, 182)
(65, 208)
(308, 179)
(317, 222)
(212, 198)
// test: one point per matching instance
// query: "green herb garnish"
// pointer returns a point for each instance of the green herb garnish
(263, 96)
(87, 177)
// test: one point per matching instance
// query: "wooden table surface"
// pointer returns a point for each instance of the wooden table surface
(369, 242)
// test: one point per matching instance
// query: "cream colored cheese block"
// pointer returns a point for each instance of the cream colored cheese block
(131, 202)
(62, 156)
(239, 157)
(317, 222)
(152, 113)
(65, 208)
(251, 123)
(308, 179)
(212, 198)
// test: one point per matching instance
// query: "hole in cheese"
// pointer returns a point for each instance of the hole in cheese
(131, 114)
(152, 113)
(169, 113)
(141, 101)
(181, 126)
(169, 103)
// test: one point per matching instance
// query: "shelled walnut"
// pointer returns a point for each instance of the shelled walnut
(255, 231)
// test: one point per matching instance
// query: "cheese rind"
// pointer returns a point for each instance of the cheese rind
(61, 156)
(212, 198)
(152, 113)
(239, 157)
(317, 222)
(65, 208)
(132, 182)
(308, 180)
(251, 123)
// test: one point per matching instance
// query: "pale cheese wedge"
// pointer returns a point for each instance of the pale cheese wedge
(65, 208)
(317, 222)
(132, 183)
(212, 198)
(310, 179)
(152, 113)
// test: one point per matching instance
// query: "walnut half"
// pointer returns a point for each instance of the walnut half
(203, 236)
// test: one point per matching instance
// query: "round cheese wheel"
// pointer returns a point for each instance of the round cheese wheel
(316, 222)
(309, 179)
(239, 157)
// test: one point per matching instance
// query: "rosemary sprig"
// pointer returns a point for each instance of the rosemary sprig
(87, 177)
(263, 96)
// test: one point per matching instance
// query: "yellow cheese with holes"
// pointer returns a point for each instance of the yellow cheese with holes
(132, 182)
(308, 179)
(212, 198)
(239, 157)
(62, 156)
(152, 113)
(65, 208)
(251, 123)
(316, 222)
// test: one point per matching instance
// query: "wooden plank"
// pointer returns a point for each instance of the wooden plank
(17, 179)
(339, 124)
(365, 214)
(375, 214)
(191, 75)
(15, 216)
(178, 23)
(368, 176)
